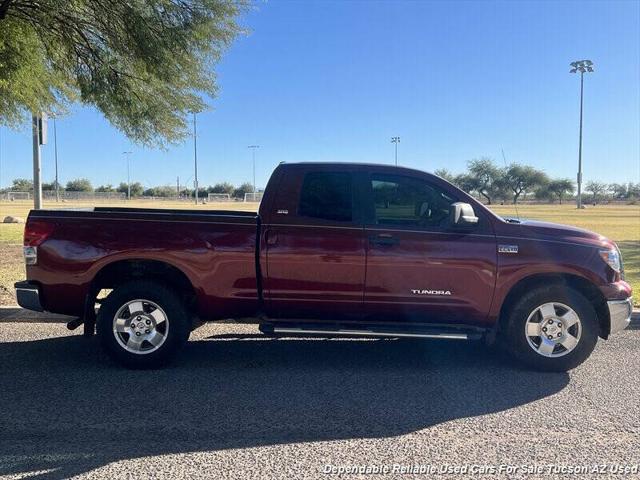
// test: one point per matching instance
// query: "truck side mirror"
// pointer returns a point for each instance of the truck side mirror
(462, 215)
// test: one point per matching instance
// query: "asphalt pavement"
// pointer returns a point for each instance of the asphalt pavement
(239, 405)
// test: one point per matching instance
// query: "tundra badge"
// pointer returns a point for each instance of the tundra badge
(507, 248)
(416, 291)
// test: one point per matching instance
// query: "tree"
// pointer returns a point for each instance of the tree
(50, 187)
(445, 175)
(144, 64)
(242, 189)
(223, 187)
(79, 185)
(22, 185)
(105, 188)
(162, 191)
(136, 189)
(466, 182)
(560, 188)
(485, 177)
(597, 189)
(622, 191)
(521, 178)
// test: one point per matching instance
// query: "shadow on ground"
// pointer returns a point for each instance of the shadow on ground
(66, 410)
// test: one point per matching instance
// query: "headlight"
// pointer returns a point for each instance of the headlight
(612, 258)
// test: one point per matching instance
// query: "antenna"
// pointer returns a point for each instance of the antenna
(515, 205)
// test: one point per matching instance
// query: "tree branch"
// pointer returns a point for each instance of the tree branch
(4, 7)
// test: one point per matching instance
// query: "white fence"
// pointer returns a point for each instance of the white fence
(11, 196)
(219, 197)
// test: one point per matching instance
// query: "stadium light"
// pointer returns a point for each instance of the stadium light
(128, 156)
(253, 155)
(582, 66)
(396, 141)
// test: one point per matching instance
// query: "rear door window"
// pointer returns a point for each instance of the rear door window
(327, 196)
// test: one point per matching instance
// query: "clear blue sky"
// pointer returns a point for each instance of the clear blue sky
(333, 81)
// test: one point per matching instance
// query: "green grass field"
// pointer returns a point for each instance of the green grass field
(618, 222)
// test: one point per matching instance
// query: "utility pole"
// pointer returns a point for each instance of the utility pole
(581, 66)
(195, 155)
(396, 141)
(127, 156)
(39, 133)
(253, 155)
(55, 153)
(178, 187)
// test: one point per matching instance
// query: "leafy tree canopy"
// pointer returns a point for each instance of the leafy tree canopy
(136, 188)
(222, 187)
(597, 189)
(105, 188)
(79, 185)
(242, 189)
(22, 185)
(521, 178)
(143, 63)
(445, 175)
(485, 177)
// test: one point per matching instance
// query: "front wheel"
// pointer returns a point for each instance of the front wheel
(552, 328)
(142, 324)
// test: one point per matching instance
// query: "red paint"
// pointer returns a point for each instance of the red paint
(313, 268)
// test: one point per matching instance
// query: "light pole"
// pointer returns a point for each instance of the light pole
(253, 155)
(55, 153)
(127, 156)
(581, 66)
(195, 156)
(396, 141)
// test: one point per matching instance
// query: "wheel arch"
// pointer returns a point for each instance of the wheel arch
(121, 271)
(582, 285)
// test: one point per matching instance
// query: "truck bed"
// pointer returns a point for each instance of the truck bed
(214, 249)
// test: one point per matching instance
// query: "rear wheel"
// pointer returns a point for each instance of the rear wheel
(552, 328)
(143, 324)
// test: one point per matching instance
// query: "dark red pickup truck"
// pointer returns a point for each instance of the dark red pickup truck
(336, 249)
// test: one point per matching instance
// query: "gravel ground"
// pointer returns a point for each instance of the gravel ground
(237, 405)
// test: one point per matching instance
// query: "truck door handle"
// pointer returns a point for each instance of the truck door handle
(383, 240)
(272, 238)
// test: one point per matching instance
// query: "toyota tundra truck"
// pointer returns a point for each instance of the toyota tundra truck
(335, 249)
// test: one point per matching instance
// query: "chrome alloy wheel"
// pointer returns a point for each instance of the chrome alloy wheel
(140, 326)
(553, 329)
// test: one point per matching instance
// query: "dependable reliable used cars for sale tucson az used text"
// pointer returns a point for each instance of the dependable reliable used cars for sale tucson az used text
(335, 249)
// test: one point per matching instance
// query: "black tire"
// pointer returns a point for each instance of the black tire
(517, 342)
(177, 327)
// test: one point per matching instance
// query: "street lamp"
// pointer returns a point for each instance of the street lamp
(195, 156)
(581, 66)
(396, 141)
(127, 156)
(55, 152)
(253, 155)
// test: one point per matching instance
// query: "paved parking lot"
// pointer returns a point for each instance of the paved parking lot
(238, 405)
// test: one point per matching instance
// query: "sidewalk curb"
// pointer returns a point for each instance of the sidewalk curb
(18, 314)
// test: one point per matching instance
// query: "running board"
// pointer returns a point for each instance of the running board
(448, 334)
